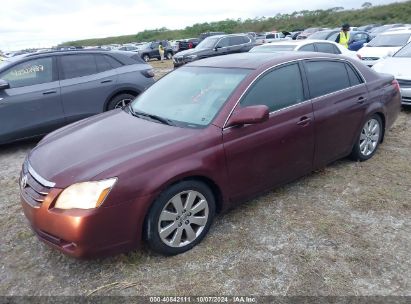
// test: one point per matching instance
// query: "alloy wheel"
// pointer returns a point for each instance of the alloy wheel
(370, 135)
(122, 103)
(183, 218)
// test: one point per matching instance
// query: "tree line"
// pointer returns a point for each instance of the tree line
(333, 17)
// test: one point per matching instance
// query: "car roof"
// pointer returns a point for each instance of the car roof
(295, 42)
(257, 60)
(396, 32)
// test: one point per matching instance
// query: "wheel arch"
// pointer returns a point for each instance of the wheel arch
(131, 91)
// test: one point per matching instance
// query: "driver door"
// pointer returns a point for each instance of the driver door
(260, 156)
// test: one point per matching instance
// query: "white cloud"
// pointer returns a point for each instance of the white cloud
(30, 23)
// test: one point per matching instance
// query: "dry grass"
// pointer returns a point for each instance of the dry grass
(344, 230)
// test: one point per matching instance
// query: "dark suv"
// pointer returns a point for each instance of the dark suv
(42, 92)
(215, 46)
(150, 50)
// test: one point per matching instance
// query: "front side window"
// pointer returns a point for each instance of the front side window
(223, 42)
(325, 77)
(194, 95)
(78, 66)
(29, 73)
(404, 52)
(277, 89)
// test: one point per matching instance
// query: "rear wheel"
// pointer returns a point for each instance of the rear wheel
(120, 101)
(180, 218)
(369, 139)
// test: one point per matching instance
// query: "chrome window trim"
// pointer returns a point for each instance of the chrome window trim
(311, 99)
(40, 179)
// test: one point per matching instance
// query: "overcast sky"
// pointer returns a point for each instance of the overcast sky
(44, 23)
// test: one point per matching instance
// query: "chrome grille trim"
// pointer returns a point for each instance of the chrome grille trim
(37, 177)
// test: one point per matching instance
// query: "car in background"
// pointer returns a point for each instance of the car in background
(307, 45)
(187, 44)
(383, 45)
(368, 27)
(208, 34)
(270, 37)
(227, 130)
(215, 46)
(309, 31)
(150, 50)
(399, 65)
(357, 39)
(45, 91)
(324, 35)
(381, 29)
(129, 48)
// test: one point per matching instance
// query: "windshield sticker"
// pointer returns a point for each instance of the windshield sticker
(32, 69)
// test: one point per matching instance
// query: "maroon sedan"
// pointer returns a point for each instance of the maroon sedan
(203, 138)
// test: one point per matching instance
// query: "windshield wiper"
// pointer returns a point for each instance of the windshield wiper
(151, 116)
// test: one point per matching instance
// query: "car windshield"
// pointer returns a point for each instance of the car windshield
(320, 35)
(391, 40)
(404, 52)
(207, 43)
(190, 96)
(3, 62)
(272, 48)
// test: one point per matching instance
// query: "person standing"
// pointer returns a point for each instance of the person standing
(161, 50)
(344, 36)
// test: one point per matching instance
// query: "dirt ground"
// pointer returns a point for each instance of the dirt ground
(344, 230)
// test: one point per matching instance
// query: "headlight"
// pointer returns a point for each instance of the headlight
(191, 57)
(87, 195)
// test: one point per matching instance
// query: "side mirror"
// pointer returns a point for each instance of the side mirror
(390, 53)
(4, 84)
(248, 115)
(365, 44)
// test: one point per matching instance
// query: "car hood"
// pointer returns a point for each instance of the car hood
(398, 66)
(81, 151)
(193, 52)
(368, 51)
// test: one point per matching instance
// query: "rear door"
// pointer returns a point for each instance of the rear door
(87, 81)
(262, 155)
(339, 97)
(32, 105)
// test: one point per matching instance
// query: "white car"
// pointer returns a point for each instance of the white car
(384, 45)
(270, 37)
(322, 46)
(399, 65)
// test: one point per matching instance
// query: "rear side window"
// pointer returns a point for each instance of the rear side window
(307, 48)
(236, 40)
(78, 65)
(29, 73)
(102, 63)
(325, 77)
(246, 39)
(327, 48)
(116, 64)
(353, 76)
(277, 89)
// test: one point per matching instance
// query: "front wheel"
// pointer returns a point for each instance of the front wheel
(146, 58)
(369, 139)
(169, 56)
(180, 218)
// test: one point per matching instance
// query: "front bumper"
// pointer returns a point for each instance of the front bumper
(87, 233)
(405, 92)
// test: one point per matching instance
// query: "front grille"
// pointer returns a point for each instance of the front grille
(406, 100)
(404, 83)
(370, 58)
(31, 189)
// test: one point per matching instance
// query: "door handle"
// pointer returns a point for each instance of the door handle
(107, 81)
(304, 121)
(49, 92)
(361, 100)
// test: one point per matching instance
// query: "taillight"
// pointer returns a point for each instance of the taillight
(396, 84)
(148, 73)
(190, 45)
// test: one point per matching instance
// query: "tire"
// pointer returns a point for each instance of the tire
(146, 58)
(170, 228)
(369, 139)
(120, 101)
(169, 56)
